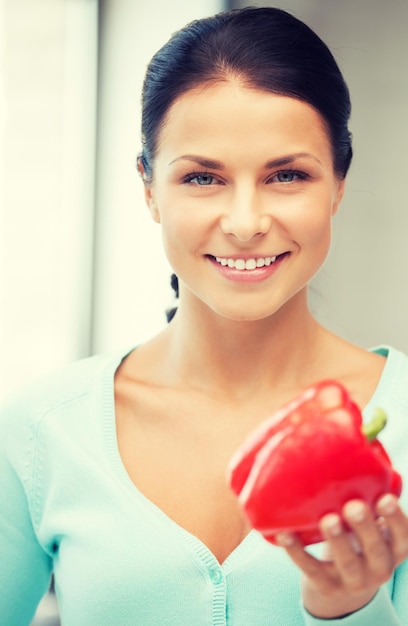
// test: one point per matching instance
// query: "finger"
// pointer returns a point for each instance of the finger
(314, 569)
(376, 552)
(383, 528)
(397, 523)
(346, 555)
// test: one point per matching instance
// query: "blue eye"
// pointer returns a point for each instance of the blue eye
(200, 178)
(204, 179)
(286, 177)
(289, 176)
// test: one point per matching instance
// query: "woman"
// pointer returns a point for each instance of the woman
(114, 471)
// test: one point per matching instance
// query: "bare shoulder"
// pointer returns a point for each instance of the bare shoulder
(140, 361)
(144, 367)
(358, 369)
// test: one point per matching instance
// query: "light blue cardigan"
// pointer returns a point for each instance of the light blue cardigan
(67, 505)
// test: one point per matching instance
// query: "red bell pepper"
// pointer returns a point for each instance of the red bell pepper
(309, 459)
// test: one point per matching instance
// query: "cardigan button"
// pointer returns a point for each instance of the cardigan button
(216, 576)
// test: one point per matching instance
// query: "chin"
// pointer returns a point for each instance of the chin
(244, 316)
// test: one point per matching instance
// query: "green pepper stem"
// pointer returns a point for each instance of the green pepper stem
(377, 423)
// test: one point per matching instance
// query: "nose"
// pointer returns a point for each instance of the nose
(244, 217)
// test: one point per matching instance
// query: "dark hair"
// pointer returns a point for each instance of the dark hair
(268, 49)
(170, 312)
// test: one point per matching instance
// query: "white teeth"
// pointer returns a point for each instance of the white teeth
(249, 264)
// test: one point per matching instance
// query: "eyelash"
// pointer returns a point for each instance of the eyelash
(188, 179)
(300, 176)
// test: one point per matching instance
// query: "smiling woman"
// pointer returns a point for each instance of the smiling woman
(267, 188)
(244, 160)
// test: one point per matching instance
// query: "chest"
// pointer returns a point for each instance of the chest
(179, 463)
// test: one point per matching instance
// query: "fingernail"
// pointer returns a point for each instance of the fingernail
(387, 504)
(332, 525)
(355, 511)
(285, 540)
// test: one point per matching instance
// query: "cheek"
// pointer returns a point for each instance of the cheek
(185, 221)
(317, 232)
(179, 232)
(313, 221)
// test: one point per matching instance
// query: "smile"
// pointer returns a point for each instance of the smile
(246, 264)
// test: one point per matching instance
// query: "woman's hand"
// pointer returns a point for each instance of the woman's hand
(356, 563)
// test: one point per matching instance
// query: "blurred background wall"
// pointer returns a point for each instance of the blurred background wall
(48, 118)
(81, 264)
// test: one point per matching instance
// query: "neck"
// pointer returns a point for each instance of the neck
(237, 358)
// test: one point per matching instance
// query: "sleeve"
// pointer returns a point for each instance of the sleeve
(399, 595)
(25, 568)
(378, 612)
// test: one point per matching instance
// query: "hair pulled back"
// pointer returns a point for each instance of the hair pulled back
(267, 49)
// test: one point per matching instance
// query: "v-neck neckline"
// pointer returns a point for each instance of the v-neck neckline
(187, 539)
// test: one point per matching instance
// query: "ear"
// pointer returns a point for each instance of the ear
(338, 195)
(151, 202)
(148, 191)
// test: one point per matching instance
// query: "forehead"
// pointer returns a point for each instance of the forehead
(230, 114)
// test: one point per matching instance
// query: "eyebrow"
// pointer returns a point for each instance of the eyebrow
(203, 161)
(217, 165)
(286, 160)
